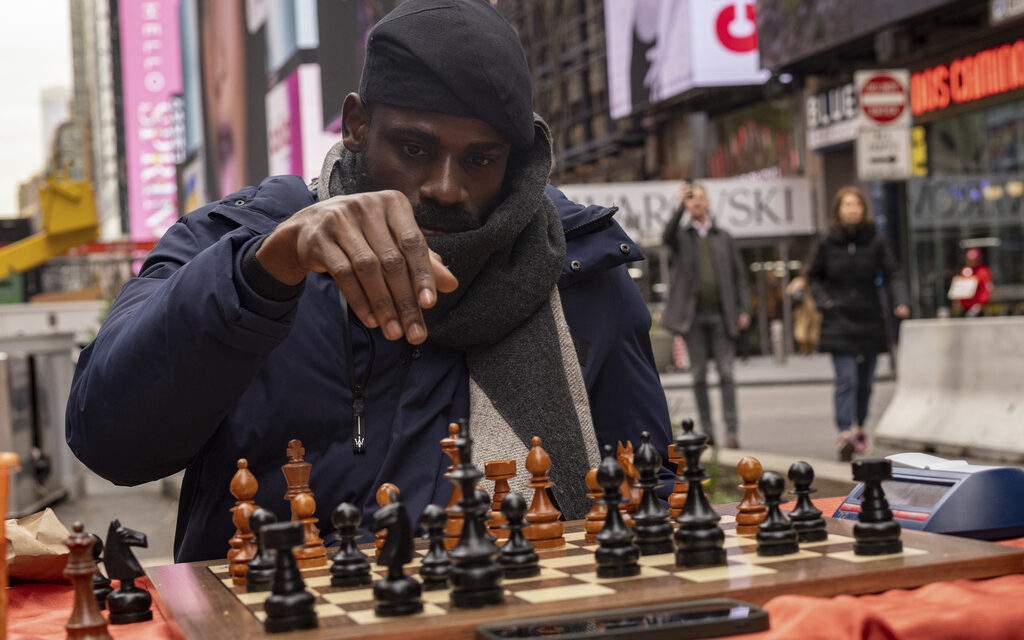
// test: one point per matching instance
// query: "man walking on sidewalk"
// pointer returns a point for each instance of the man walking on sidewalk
(708, 302)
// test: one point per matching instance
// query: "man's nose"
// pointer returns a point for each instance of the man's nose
(445, 184)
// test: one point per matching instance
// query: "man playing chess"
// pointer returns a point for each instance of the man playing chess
(428, 274)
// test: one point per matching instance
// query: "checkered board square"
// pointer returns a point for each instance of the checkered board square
(567, 574)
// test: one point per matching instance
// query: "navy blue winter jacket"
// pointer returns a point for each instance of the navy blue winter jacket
(192, 370)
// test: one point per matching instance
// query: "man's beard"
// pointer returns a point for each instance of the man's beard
(429, 214)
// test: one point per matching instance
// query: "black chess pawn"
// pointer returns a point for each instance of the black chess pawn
(100, 583)
(699, 539)
(476, 574)
(349, 566)
(128, 603)
(651, 525)
(776, 535)
(617, 554)
(806, 518)
(290, 607)
(396, 594)
(436, 565)
(518, 557)
(876, 533)
(485, 498)
(260, 572)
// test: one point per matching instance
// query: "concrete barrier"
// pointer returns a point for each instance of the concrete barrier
(959, 389)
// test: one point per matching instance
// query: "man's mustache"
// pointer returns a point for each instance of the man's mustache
(446, 219)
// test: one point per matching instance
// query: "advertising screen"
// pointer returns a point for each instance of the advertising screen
(658, 49)
(151, 74)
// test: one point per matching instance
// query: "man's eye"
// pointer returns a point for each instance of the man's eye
(413, 150)
(481, 161)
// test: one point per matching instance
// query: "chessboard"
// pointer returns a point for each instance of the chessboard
(203, 602)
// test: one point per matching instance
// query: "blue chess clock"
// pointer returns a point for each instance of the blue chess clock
(932, 494)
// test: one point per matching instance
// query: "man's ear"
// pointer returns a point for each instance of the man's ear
(355, 123)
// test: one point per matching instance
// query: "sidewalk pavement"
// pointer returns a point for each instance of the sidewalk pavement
(815, 368)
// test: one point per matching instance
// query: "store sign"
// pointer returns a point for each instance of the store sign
(962, 202)
(968, 78)
(832, 117)
(1003, 10)
(745, 208)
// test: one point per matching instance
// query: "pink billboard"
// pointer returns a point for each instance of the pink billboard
(151, 74)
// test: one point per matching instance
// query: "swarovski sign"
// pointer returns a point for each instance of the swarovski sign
(746, 208)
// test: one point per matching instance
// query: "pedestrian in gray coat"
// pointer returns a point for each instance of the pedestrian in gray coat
(708, 302)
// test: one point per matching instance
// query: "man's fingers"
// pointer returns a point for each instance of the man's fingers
(365, 272)
(395, 268)
(445, 279)
(410, 241)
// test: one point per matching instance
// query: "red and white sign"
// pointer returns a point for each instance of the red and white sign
(884, 97)
(658, 49)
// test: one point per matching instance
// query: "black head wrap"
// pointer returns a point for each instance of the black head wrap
(457, 57)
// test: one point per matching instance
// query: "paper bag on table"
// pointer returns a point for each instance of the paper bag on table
(35, 548)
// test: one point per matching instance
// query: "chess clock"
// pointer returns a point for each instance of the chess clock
(933, 494)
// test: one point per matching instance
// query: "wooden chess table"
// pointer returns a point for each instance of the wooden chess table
(202, 601)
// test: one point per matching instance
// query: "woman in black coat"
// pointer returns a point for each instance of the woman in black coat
(844, 277)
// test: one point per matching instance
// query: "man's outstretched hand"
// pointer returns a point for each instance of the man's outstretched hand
(370, 245)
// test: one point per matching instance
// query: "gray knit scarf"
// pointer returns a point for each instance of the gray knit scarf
(506, 314)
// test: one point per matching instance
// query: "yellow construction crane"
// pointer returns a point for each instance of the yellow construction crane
(69, 220)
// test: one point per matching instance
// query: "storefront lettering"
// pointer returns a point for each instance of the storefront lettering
(745, 207)
(965, 201)
(986, 73)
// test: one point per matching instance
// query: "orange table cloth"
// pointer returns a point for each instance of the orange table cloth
(39, 611)
(962, 609)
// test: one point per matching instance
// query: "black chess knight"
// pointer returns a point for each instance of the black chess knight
(127, 603)
(396, 594)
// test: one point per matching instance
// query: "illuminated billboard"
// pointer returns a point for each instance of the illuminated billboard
(658, 49)
(151, 74)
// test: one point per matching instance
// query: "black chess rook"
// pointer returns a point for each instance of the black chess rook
(876, 532)
(290, 607)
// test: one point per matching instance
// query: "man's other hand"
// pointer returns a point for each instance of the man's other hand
(370, 245)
